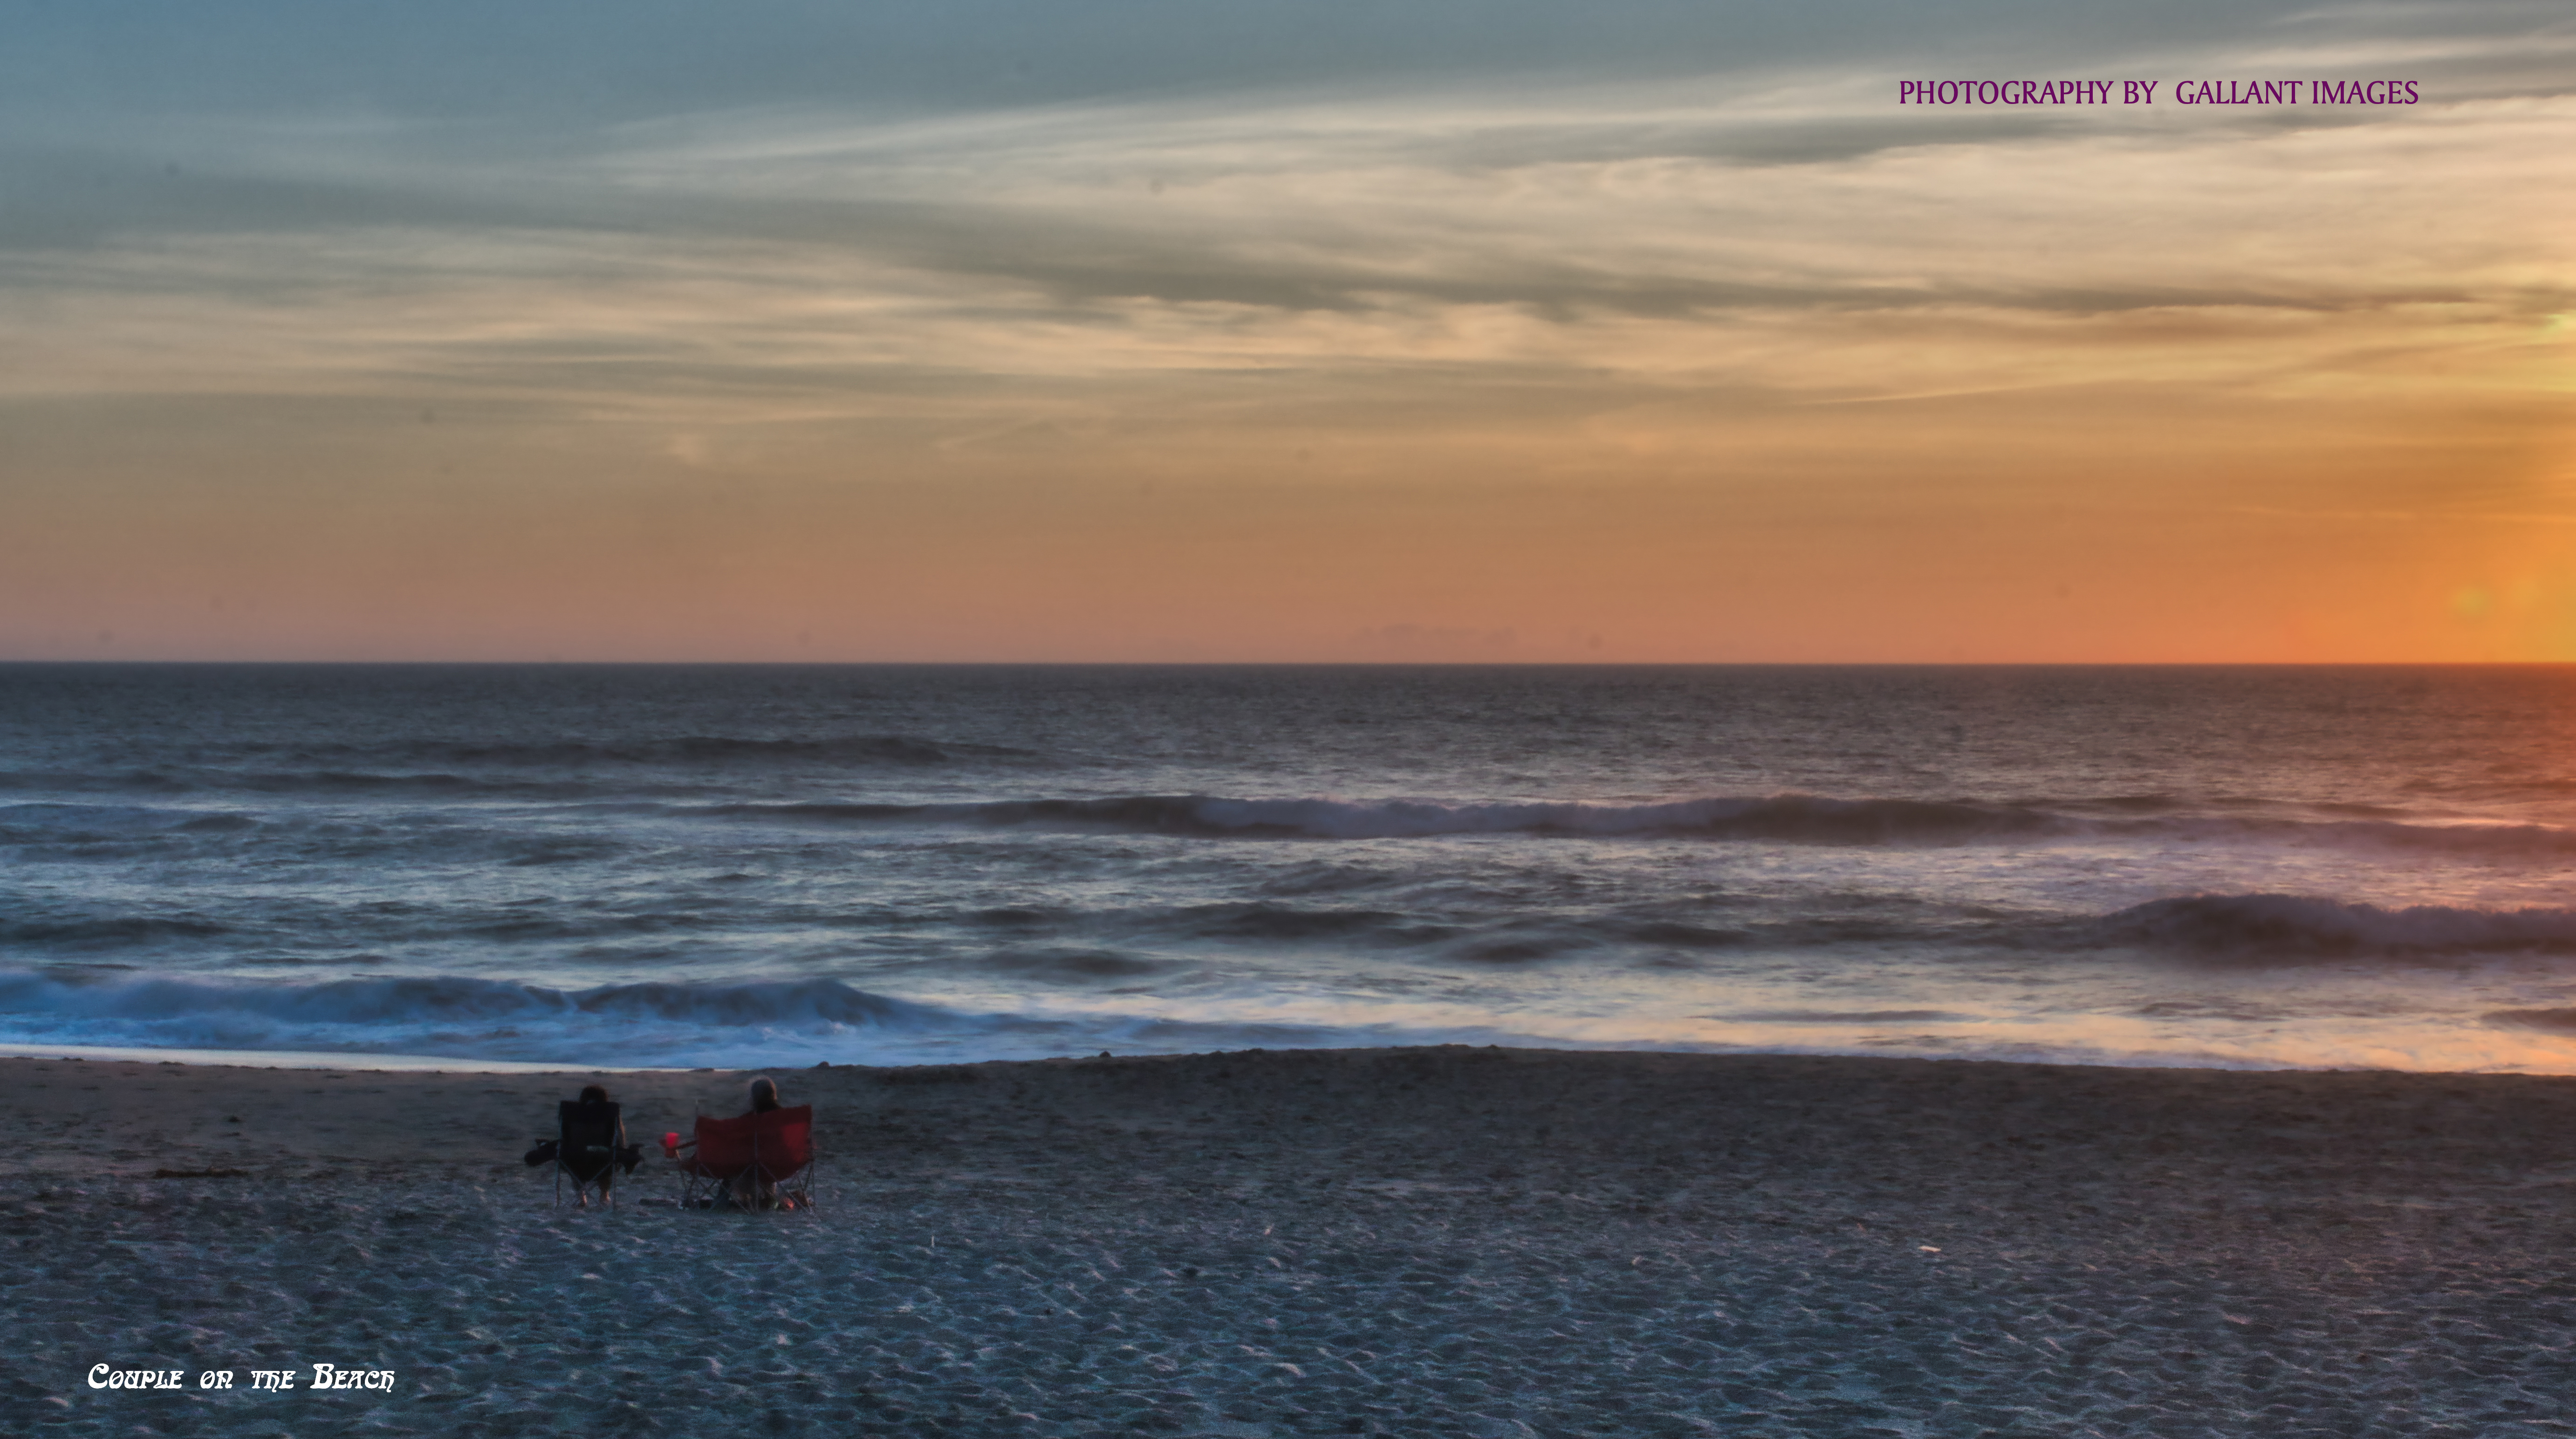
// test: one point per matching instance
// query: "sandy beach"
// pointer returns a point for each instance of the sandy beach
(1433, 1241)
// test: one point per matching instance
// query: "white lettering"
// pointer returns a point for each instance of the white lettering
(102, 1377)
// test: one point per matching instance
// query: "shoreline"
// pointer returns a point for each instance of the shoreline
(1646, 1242)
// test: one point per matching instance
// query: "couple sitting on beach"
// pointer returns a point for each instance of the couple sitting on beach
(757, 1160)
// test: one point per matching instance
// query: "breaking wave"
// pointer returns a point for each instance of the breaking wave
(1794, 818)
(2290, 928)
(706, 749)
(558, 769)
(894, 749)
(454, 1015)
(744, 1024)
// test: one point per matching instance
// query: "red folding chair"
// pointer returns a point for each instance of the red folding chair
(767, 1157)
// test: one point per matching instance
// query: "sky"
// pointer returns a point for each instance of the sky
(1346, 330)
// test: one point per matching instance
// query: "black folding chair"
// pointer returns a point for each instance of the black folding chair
(586, 1144)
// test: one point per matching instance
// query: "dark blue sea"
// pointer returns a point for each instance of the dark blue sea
(743, 865)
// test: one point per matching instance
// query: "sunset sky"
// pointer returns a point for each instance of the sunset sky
(1335, 330)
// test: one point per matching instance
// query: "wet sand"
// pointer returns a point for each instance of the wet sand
(1434, 1242)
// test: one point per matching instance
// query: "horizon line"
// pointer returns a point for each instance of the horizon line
(98, 663)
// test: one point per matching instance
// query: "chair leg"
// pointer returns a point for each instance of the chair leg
(582, 1189)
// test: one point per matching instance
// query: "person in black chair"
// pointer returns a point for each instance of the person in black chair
(589, 1146)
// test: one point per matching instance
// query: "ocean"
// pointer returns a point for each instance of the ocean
(750, 866)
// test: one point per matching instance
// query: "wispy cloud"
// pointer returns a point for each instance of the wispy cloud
(765, 259)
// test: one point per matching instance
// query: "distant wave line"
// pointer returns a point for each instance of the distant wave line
(1787, 818)
(2280, 928)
